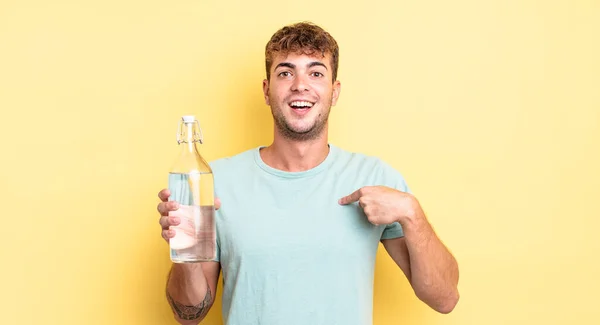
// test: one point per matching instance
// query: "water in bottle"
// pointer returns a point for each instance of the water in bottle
(191, 184)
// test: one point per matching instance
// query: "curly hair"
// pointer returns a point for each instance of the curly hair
(306, 38)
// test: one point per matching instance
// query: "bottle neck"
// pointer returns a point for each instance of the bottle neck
(189, 133)
(189, 137)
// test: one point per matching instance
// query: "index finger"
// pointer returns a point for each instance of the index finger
(164, 194)
(355, 196)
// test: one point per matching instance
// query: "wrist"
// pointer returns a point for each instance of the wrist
(411, 211)
(187, 268)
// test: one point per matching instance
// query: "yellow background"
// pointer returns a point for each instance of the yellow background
(490, 109)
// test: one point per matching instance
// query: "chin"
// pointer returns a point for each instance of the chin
(300, 129)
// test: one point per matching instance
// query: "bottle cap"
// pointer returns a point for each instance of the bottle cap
(188, 118)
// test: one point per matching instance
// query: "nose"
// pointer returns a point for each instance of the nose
(300, 83)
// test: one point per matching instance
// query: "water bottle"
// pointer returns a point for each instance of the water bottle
(191, 184)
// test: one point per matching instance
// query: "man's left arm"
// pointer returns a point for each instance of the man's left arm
(429, 266)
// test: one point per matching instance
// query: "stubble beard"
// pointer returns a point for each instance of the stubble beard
(288, 131)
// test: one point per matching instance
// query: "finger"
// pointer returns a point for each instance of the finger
(217, 204)
(165, 207)
(167, 234)
(350, 198)
(165, 222)
(164, 194)
(373, 221)
(362, 202)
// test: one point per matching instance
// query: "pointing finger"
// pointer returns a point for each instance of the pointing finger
(355, 196)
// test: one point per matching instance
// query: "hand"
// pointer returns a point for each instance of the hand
(169, 219)
(383, 205)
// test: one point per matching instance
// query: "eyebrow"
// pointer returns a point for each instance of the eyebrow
(293, 66)
(315, 63)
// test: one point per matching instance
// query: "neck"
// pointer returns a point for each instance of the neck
(296, 156)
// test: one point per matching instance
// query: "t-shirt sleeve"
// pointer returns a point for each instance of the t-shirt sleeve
(392, 178)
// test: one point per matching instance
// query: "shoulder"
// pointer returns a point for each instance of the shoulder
(381, 171)
(362, 160)
(234, 162)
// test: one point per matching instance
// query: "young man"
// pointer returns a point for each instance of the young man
(301, 219)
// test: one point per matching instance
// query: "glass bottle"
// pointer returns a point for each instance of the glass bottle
(191, 184)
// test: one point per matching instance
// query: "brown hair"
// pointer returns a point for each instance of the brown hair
(304, 37)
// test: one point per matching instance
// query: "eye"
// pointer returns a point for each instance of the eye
(284, 74)
(317, 74)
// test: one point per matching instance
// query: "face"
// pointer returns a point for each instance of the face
(301, 92)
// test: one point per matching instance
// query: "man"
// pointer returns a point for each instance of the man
(301, 219)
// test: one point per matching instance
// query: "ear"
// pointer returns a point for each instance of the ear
(266, 91)
(337, 88)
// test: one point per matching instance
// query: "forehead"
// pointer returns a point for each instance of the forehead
(302, 59)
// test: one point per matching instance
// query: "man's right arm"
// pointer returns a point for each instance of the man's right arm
(191, 290)
(191, 287)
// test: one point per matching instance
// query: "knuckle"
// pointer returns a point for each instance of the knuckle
(164, 222)
(164, 211)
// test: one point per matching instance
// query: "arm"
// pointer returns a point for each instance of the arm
(430, 268)
(191, 290)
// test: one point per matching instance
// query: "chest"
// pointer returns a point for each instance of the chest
(300, 221)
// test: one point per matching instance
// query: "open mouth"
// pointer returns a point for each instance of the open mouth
(301, 105)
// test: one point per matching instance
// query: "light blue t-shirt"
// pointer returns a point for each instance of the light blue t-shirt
(290, 254)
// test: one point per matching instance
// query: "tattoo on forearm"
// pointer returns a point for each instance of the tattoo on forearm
(188, 312)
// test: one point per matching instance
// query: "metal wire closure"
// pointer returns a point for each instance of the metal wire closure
(195, 137)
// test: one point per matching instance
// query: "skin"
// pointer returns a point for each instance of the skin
(300, 143)
(300, 140)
